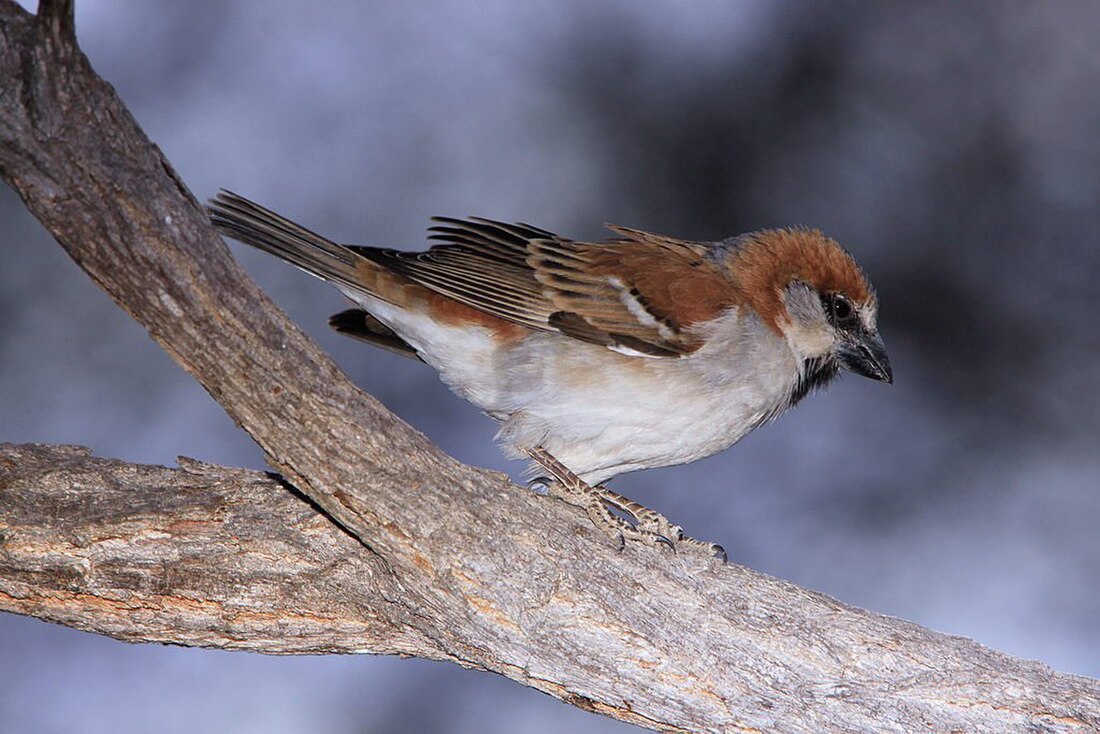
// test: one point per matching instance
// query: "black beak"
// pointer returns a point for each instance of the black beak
(864, 354)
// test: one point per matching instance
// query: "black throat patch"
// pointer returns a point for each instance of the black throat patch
(816, 373)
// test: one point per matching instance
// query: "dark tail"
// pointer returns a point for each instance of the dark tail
(252, 224)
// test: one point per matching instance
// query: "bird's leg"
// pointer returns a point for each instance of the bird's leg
(654, 522)
(651, 527)
(645, 518)
(574, 490)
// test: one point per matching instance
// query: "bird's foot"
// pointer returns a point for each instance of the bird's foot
(649, 527)
(591, 500)
(541, 485)
(651, 521)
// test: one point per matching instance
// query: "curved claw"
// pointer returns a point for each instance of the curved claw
(662, 540)
(540, 485)
(720, 553)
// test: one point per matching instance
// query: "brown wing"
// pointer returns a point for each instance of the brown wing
(637, 294)
(482, 265)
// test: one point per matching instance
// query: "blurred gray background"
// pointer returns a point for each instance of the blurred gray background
(953, 147)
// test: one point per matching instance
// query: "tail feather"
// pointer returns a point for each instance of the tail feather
(252, 224)
(361, 325)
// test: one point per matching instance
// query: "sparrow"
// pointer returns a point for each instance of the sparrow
(599, 358)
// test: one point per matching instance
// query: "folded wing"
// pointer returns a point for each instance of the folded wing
(637, 294)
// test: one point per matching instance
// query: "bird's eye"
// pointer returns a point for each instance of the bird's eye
(840, 311)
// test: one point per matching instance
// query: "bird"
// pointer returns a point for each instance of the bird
(601, 358)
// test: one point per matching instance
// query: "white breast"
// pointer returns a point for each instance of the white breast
(603, 414)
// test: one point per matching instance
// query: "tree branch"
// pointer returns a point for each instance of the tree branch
(434, 559)
(202, 555)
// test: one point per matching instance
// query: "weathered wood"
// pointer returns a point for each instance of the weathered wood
(203, 555)
(430, 558)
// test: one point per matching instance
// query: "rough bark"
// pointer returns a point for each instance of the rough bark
(385, 544)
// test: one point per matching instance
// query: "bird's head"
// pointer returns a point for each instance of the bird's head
(809, 290)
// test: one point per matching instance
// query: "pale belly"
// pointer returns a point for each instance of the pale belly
(599, 412)
(603, 414)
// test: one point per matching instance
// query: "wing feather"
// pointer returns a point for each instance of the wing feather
(637, 294)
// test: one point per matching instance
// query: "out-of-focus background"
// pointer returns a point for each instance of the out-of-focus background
(952, 147)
